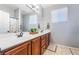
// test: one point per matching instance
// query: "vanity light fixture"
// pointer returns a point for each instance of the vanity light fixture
(34, 7)
(37, 8)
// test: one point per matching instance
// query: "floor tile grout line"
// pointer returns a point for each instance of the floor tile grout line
(52, 50)
(56, 48)
(71, 51)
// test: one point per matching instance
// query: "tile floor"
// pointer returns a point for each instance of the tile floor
(56, 49)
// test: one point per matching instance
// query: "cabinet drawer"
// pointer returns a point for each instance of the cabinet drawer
(46, 35)
(42, 37)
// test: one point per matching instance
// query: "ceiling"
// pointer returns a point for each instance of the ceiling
(46, 5)
(24, 8)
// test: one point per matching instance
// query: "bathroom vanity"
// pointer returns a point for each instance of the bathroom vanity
(27, 45)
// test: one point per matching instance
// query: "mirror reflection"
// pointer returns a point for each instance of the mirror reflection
(15, 19)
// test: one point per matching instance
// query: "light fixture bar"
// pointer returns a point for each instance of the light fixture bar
(32, 7)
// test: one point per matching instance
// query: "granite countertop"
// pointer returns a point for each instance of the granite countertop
(10, 39)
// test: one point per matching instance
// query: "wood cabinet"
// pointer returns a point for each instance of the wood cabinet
(47, 40)
(43, 49)
(44, 42)
(36, 46)
(23, 49)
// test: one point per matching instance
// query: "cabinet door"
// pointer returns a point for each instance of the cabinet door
(19, 50)
(47, 40)
(43, 40)
(29, 50)
(43, 49)
(36, 46)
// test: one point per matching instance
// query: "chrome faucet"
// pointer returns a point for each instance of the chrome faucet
(20, 34)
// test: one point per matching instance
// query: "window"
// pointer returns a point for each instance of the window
(59, 15)
(33, 19)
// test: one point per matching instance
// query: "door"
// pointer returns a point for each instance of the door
(13, 25)
(4, 22)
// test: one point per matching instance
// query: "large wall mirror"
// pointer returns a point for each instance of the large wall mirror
(14, 18)
(8, 24)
